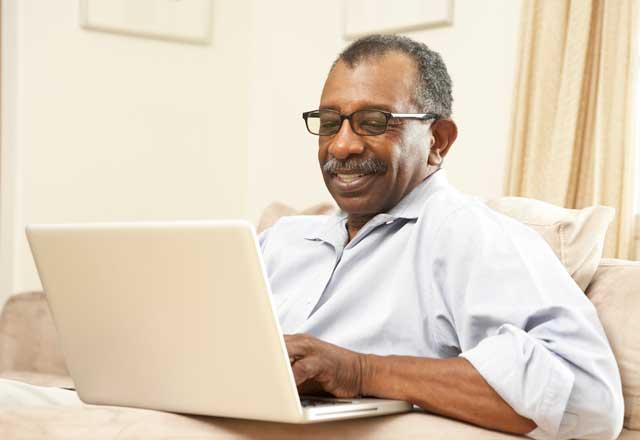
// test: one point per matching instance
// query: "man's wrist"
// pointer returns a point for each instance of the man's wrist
(379, 377)
(367, 374)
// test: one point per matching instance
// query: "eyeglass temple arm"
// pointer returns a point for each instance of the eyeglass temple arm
(414, 115)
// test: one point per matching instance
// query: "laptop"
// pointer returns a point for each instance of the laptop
(176, 317)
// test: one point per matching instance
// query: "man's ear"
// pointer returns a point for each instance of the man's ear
(443, 134)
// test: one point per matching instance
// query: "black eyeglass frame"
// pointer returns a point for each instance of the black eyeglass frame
(388, 117)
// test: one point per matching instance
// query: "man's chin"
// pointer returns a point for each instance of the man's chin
(357, 206)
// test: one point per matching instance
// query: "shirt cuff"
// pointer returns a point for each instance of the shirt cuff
(529, 377)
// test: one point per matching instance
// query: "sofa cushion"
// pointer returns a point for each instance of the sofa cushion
(615, 292)
(275, 210)
(105, 422)
(41, 379)
(28, 340)
(575, 235)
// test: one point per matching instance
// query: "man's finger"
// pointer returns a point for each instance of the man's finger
(312, 388)
(304, 370)
(298, 345)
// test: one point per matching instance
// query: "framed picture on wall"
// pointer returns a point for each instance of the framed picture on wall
(183, 21)
(362, 17)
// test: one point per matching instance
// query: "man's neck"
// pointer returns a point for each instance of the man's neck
(355, 223)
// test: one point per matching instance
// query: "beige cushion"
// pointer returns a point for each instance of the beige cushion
(627, 434)
(102, 422)
(274, 211)
(575, 235)
(39, 378)
(615, 291)
(28, 339)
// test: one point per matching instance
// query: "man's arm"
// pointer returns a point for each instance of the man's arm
(507, 306)
(449, 387)
(513, 311)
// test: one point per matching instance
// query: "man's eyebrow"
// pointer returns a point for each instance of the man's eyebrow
(363, 106)
(384, 107)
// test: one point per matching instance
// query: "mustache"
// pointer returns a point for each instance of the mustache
(359, 166)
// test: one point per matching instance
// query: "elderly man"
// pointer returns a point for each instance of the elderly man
(414, 291)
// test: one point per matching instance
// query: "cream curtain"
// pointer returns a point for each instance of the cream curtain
(572, 130)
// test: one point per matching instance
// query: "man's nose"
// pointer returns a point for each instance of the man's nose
(345, 142)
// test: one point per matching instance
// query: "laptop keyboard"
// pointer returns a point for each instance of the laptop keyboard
(309, 401)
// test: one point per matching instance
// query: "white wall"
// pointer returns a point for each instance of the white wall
(292, 50)
(292, 54)
(8, 156)
(637, 239)
(119, 128)
(108, 127)
(480, 51)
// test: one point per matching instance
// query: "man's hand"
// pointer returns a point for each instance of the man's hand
(336, 370)
(450, 387)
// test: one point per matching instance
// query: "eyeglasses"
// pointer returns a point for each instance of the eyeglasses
(365, 122)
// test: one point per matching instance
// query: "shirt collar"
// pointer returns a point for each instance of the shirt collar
(410, 207)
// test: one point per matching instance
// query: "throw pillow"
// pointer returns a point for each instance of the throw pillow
(575, 235)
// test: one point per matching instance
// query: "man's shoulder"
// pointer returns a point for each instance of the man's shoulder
(449, 203)
(450, 210)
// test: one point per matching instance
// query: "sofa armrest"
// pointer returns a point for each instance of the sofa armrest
(29, 341)
(615, 292)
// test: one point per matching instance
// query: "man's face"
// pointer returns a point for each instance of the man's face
(399, 155)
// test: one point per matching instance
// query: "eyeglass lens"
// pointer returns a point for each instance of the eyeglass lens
(363, 122)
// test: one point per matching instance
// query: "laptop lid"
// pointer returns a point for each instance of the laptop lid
(169, 316)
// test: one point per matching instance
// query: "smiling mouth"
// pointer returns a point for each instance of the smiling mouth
(347, 183)
(348, 178)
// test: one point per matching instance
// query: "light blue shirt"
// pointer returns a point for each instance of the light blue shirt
(442, 275)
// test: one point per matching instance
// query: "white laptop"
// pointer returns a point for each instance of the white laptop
(175, 317)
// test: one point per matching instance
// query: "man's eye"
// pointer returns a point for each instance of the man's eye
(374, 124)
(328, 124)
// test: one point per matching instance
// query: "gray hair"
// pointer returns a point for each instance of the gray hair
(433, 88)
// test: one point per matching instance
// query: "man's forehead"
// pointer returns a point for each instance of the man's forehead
(387, 80)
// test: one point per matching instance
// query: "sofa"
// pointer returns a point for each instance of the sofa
(29, 351)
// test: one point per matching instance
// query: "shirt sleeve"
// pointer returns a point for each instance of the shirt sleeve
(526, 327)
(263, 238)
